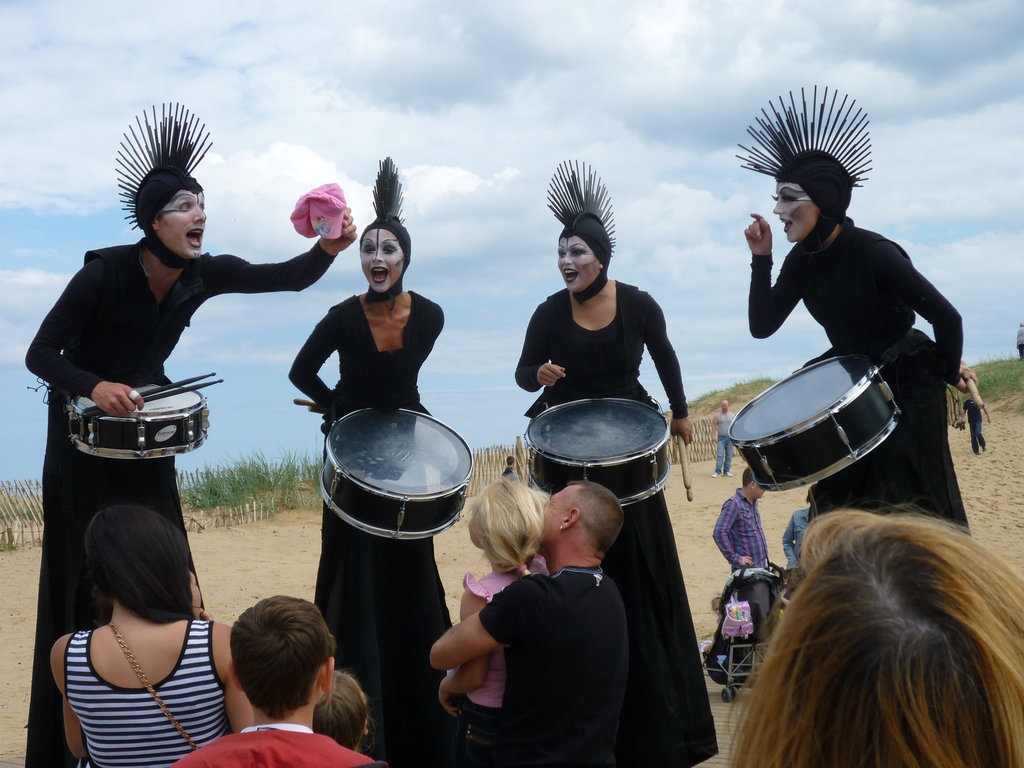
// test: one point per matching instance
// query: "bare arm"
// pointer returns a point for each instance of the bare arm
(466, 640)
(72, 726)
(238, 708)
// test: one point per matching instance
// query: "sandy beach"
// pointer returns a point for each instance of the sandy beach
(241, 564)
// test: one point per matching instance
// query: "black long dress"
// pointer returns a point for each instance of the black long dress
(864, 291)
(108, 326)
(666, 716)
(382, 598)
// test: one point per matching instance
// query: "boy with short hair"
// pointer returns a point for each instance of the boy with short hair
(283, 658)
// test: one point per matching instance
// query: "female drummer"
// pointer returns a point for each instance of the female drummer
(586, 341)
(864, 292)
(382, 598)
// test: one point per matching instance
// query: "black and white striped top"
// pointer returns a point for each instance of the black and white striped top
(125, 726)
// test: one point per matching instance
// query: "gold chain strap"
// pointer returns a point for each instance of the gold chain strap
(149, 687)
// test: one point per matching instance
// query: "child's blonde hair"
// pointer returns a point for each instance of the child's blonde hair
(344, 713)
(510, 519)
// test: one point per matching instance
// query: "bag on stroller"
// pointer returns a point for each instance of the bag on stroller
(747, 598)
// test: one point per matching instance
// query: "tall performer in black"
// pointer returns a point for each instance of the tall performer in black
(586, 341)
(382, 598)
(110, 332)
(863, 290)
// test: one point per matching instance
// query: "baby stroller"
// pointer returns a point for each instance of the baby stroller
(747, 598)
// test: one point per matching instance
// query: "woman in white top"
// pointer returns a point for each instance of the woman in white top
(155, 632)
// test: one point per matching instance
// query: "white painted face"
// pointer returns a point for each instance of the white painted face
(577, 263)
(795, 208)
(180, 224)
(382, 258)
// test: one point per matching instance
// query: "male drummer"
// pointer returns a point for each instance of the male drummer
(110, 332)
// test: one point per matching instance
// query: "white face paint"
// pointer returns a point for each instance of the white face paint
(382, 258)
(181, 223)
(795, 208)
(577, 264)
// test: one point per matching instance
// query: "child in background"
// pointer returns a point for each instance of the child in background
(507, 523)
(344, 713)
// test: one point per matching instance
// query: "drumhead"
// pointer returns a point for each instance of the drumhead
(598, 429)
(184, 401)
(399, 453)
(810, 391)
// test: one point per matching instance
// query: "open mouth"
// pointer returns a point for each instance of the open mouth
(569, 275)
(379, 274)
(195, 238)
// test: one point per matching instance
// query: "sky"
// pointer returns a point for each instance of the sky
(478, 103)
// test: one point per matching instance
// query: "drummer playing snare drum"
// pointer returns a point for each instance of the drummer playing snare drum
(863, 290)
(111, 330)
(586, 341)
(382, 337)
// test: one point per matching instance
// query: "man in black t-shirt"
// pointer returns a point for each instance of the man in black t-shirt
(565, 641)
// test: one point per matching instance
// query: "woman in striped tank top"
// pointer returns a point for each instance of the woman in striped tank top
(155, 628)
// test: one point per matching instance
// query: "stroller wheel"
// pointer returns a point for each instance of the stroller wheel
(728, 694)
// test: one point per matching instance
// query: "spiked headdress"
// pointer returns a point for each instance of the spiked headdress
(387, 204)
(157, 162)
(825, 147)
(579, 199)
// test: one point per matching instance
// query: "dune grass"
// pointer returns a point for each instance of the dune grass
(1002, 380)
(287, 483)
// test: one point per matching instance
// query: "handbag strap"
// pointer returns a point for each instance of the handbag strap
(149, 686)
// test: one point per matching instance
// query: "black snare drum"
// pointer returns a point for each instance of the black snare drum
(165, 427)
(621, 444)
(816, 422)
(395, 474)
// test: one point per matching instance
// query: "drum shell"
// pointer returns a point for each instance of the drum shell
(631, 481)
(563, 447)
(375, 508)
(146, 435)
(388, 516)
(815, 448)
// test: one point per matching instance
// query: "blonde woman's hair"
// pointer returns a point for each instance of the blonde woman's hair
(510, 519)
(344, 713)
(903, 646)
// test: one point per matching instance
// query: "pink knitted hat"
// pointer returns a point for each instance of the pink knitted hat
(319, 212)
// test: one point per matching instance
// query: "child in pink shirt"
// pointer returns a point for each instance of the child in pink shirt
(507, 523)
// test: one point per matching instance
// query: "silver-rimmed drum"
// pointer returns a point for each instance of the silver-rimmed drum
(620, 444)
(165, 427)
(396, 474)
(814, 423)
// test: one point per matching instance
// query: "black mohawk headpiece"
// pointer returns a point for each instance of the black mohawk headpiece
(790, 132)
(387, 192)
(576, 190)
(176, 141)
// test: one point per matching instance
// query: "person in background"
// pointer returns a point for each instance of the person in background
(896, 650)
(721, 422)
(793, 536)
(972, 411)
(509, 473)
(1020, 341)
(738, 532)
(344, 713)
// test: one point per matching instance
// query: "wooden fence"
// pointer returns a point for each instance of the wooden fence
(21, 506)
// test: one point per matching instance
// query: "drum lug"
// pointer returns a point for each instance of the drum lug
(204, 419)
(334, 485)
(883, 386)
(141, 440)
(841, 433)
(401, 517)
(767, 468)
(92, 434)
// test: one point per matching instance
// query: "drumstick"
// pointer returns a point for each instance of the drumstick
(309, 405)
(973, 389)
(150, 397)
(684, 464)
(174, 385)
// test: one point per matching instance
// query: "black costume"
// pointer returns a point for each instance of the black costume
(108, 326)
(565, 638)
(864, 291)
(666, 717)
(382, 598)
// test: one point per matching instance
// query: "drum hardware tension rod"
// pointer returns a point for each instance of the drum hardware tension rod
(842, 434)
